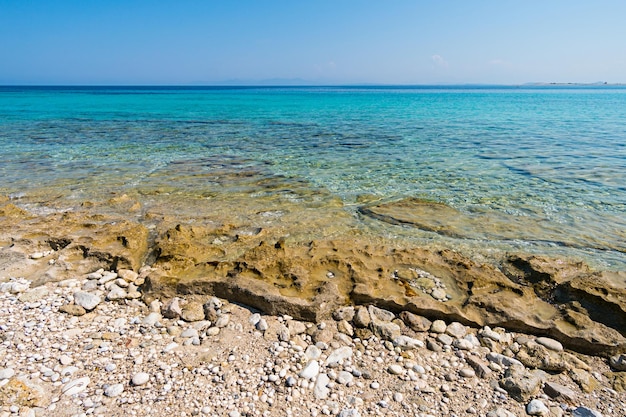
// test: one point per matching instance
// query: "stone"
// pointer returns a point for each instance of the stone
(500, 412)
(6, 373)
(128, 275)
(385, 330)
(486, 332)
(520, 383)
(312, 352)
(192, 311)
(444, 339)
(379, 314)
(584, 379)
(502, 360)
(344, 313)
(73, 310)
(87, 300)
(338, 355)
(320, 390)
(463, 344)
(346, 328)
(75, 386)
(438, 294)
(438, 326)
(350, 412)
(618, 362)
(456, 329)
(114, 390)
(151, 319)
(261, 325)
(585, 412)
(311, 370)
(140, 378)
(537, 408)
(189, 332)
(467, 373)
(551, 344)
(344, 377)
(415, 322)
(617, 380)
(223, 320)
(116, 293)
(395, 369)
(21, 391)
(172, 309)
(361, 317)
(34, 294)
(406, 342)
(559, 392)
(296, 327)
(479, 366)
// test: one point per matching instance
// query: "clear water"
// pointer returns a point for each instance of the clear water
(554, 157)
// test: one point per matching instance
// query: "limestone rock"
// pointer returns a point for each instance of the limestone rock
(344, 313)
(559, 392)
(415, 322)
(87, 300)
(193, 311)
(23, 392)
(520, 383)
(172, 309)
(618, 362)
(584, 379)
(585, 412)
(537, 408)
(456, 329)
(72, 310)
(362, 317)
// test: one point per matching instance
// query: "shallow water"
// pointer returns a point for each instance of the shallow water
(521, 169)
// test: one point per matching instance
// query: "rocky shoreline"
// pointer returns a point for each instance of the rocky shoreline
(104, 312)
(75, 348)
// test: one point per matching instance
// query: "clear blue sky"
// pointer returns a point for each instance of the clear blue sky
(327, 42)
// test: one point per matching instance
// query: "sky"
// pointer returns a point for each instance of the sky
(156, 42)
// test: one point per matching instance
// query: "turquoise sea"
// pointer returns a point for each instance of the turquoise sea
(549, 160)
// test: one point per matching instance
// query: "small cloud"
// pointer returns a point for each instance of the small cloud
(439, 61)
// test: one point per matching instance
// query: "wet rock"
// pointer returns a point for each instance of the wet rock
(520, 383)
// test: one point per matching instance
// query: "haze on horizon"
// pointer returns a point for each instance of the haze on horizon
(321, 42)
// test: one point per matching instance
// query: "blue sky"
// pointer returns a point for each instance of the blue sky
(312, 42)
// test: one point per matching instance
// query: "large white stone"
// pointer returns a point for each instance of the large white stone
(339, 355)
(140, 378)
(75, 386)
(87, 300)
(311, 370)
(320, 390)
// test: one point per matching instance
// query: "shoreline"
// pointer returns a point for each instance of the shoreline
(93, 283)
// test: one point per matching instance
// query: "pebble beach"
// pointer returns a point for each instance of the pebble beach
(88, 346)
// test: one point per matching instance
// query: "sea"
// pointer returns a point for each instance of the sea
(538, 169)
